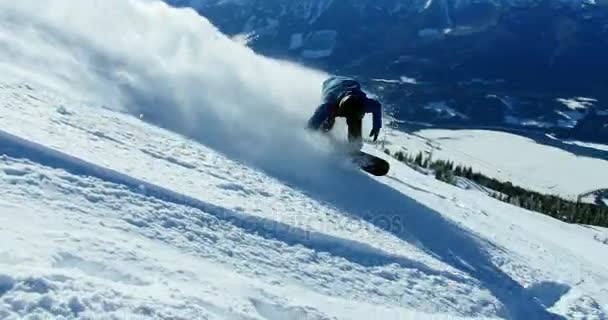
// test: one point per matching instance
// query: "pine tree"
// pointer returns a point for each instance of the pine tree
(449, 176)
(400, 156)
(468, 173)
(458, 170)
(418, 159)
(551, 205)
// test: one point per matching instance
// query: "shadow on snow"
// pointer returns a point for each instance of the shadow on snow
(361, 196)
(287, 232)
(346, 189)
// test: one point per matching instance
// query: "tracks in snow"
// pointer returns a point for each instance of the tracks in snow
(357, 252)
(323, 261)
(341, 267)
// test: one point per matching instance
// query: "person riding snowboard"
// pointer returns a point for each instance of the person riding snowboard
(343, 97)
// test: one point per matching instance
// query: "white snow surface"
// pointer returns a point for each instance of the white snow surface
(401, 80)
(152, 168)
(527, 122)
(510, 157)
(579, 103)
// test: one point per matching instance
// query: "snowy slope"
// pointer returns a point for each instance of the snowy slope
(510, 157)
(228, 212)
(297, 226)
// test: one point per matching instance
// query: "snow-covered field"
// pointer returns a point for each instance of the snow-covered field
(137, 183)
(510, 157)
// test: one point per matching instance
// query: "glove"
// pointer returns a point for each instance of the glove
(374, 133)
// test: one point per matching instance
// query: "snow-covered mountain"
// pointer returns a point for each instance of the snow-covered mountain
(513, 158)
(152, 168)
(471, 56)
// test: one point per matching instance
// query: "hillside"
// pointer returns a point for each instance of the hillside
(510, 157)
(147, 173)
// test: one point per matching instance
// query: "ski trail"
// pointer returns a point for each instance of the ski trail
(485, 272)
(222, 181)
(188, 78)
(364, 198)
(165, 222)
(356, 252)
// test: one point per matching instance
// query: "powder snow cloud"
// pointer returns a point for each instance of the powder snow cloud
(172, 67)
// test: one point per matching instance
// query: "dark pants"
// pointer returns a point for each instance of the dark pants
(354, 121)
(354, 128)
(354, 118)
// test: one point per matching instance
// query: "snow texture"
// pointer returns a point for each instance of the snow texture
(152, 168)
(579, 103)
(511, 157)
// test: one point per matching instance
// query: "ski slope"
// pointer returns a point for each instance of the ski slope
(170, 182)
(510, 157)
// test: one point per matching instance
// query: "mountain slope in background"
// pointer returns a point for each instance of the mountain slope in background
(513, 158)
(507, 63)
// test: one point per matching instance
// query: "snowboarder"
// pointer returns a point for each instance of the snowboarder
(343, 97)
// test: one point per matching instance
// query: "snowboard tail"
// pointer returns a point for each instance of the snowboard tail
(371, 164)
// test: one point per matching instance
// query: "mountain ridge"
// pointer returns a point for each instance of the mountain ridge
(464, 54)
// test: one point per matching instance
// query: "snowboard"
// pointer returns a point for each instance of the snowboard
(371, 164)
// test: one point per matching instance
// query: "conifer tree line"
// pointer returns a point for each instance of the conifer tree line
(552, 205)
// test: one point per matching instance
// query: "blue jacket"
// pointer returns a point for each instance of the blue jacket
(334, 89)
